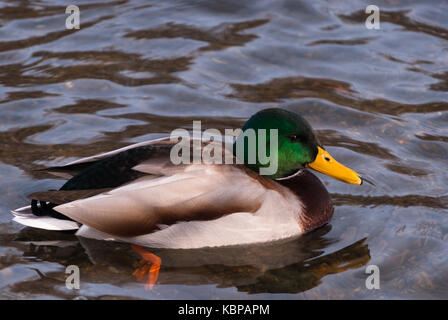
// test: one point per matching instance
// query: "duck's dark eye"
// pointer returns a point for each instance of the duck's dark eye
(293, 138)
(326, 158)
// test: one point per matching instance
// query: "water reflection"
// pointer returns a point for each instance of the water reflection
(55, 68)
(289, 266)
(338, 92)
(38, 40)
(218, 37)
(403, 201)
(402, 19)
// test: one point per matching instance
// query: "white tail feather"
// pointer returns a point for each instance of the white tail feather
(25, 217)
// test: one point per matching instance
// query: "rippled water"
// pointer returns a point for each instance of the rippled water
(138, 69)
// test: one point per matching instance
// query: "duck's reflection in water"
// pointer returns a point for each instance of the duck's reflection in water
(291, 266)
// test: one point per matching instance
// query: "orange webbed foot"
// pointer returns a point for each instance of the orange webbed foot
(150, 264)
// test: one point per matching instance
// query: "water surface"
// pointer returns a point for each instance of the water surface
(137, 70)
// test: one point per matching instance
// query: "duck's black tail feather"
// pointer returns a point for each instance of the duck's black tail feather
(42, 203)
(43, 208)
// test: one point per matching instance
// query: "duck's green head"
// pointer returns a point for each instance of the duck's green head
(277, 143)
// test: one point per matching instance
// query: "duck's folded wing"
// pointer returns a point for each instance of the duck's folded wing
(137, 208)
(64, 196)
(72, 168)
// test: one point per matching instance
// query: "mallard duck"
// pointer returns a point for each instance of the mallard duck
(138, 195)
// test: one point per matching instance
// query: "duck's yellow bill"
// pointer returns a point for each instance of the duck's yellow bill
(325, 164)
